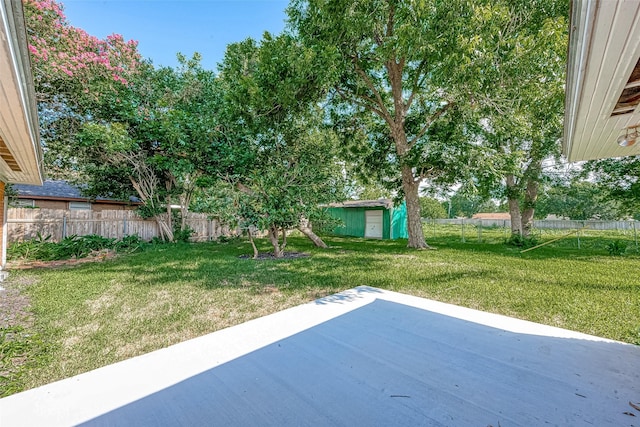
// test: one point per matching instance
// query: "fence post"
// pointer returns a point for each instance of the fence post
(635, 234)
(479, 225)
(125, 228)
(463, 230)
(64, 226)
(578, 234)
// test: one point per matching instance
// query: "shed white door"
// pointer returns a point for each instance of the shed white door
(373, 224)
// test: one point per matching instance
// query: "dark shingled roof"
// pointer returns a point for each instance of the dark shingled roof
(57, 190)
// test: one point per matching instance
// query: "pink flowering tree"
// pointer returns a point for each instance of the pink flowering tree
(74, 72)
(63, 53)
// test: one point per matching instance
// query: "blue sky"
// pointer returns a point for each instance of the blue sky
(164, 27)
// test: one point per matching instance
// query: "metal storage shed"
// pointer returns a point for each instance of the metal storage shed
(373, 219)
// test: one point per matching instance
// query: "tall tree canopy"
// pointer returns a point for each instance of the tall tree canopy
(395, 64)
(148, 139)
(517, 60)
(620, 179)
(278, 152)
(72, 72)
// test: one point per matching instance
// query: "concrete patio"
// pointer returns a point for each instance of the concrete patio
(363, 357)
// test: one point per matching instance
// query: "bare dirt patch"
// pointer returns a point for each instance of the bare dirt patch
(14, 304)
(269, 255)
(96, 256)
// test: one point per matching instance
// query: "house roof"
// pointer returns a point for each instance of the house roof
(383, 203)
(20, 151)
(603, 79)
(59, 190)
(491, 215)
(365, 356)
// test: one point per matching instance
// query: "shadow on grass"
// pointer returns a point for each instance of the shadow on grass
(348, 263)
(212, 265)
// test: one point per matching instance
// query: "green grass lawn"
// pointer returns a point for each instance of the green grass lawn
(96, 314)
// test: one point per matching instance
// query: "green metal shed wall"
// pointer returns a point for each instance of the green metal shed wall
(399, 222)
(354, 221)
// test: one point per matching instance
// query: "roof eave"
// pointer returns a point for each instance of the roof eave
(582, 17)
(25, 142)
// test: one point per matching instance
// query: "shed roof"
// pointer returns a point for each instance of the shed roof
(59, 190)
(382, 203)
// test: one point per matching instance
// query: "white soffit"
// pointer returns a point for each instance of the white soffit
(20, 152)
(604, 48)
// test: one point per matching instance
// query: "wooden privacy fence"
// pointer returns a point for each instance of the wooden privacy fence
(25, 224)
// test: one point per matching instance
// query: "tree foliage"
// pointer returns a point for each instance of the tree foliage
(281, 157)
(620, 179)
(432, 208)
(518, 61)
(391, 64)
(577, 200)
(150, 144)
(73, 71)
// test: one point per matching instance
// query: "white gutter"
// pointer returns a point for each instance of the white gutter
(583, 14)
(16, 33)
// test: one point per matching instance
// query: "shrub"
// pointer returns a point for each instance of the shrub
(616, 248)
(183, 235)
(129, 243)
(38, 248)
(522, 241)
(42, 248)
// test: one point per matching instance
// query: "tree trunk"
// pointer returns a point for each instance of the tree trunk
(188, 187)
(410, 184)
(253, 244)
(284, 239)
(273, 238)
(164, 228)
(305, 228)
(414, 219)
(530, 198)
(514, 206)
(184, 210)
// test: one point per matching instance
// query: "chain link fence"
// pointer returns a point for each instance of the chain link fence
(579, 234)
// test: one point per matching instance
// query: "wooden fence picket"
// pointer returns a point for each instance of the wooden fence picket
(26, 223)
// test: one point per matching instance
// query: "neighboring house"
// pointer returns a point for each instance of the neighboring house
(20, 151)
(374, 219)
(62, 195)
(492, 215)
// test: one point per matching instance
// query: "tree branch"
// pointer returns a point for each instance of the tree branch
(415, 84)
(378, 99)
(429, 122)
(369, 106)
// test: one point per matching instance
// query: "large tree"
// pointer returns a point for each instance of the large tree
(72, 72)
(146, 140)
(395, 64)
(278, 153)
(518, 60)
(620, 180)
